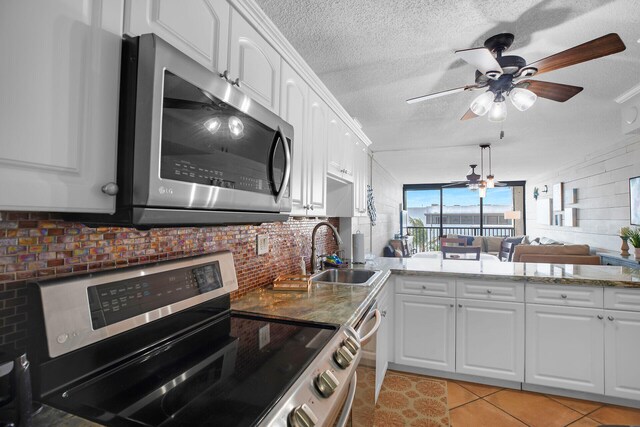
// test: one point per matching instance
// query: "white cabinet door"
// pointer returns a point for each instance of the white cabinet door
(385, 305)
(360, 178)
(621, 350)
(346, 147)
(334, 135)
(293, 108)
(255, 62)
(425, 332)
(316, 152)
(490, 339)
(199, 28)
(58, 118)
(565, 347)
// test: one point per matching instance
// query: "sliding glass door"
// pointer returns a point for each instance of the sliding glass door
(436, 210)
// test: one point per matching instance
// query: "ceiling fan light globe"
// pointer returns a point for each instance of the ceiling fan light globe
(481, 105)
(522, 99)
(498, 112)
(473, 186)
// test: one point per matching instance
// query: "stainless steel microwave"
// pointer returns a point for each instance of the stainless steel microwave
(194, 149)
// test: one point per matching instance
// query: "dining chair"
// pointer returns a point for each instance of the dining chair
(452, 241)
(506, 251)
(471, 253)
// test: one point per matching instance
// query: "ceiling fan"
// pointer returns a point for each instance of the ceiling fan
(508, 75)
(475, 181)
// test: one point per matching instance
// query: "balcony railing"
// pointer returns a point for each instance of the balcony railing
(428, 238)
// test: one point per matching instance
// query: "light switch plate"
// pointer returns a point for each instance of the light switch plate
(262, 244)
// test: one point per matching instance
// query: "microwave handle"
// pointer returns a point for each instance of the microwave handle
(287, 167)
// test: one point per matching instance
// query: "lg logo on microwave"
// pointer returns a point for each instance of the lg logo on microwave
(165, 191)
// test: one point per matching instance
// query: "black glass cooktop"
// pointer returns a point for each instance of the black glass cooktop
(227, 373)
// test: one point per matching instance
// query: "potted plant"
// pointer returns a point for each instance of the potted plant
(633, 235)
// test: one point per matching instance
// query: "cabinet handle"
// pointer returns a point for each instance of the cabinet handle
(610, 318)
(563, 295)
(600, 316)
(224, 75)
(110, 188)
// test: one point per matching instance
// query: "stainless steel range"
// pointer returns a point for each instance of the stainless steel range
(159, 346)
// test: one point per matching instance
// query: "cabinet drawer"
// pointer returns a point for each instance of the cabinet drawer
(622, 299)
(490, 290)
(575, 296)
(425, 285)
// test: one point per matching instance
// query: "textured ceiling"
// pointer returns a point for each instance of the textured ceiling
(375, 54)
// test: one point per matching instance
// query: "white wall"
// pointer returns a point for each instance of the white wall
(387, 192)
(602, 181)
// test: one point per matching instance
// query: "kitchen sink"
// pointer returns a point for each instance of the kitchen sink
(346, 276)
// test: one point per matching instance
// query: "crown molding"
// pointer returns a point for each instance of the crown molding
(250, 10)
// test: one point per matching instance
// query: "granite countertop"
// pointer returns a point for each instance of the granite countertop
(344, 304)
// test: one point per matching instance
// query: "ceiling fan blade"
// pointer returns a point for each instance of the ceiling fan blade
(483, 60)
(453, 184)
(553, 91)
(439, 94)
(596, 48)
(469, 115)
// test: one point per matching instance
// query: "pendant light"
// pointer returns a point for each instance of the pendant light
(490, 178)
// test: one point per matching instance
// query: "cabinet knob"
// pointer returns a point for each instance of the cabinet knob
(236, 82)
(563, 295)
(384, 313)
(311, 207)
(450, 305)
(600, 316)
(610, 318)
(224, 75)
(424, 287)
(110, 188)
(488, 291)
(460, 305)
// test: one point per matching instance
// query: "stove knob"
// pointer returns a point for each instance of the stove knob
(302, 416)
(343, 357)
(326, 383)
(352, 345)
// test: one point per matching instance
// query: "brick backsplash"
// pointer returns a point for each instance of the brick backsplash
(43, 245)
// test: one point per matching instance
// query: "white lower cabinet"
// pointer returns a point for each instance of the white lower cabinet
(564, 347)
(621, 350)
(425, 332)
(490, 339)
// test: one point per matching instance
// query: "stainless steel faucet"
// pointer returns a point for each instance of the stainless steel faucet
(314, 260)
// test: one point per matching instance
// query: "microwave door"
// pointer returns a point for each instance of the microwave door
(280, 174)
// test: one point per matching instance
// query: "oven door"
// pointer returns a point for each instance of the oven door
(365, 400)
(200, 143)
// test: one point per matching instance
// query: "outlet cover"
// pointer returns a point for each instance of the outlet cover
(262, 244)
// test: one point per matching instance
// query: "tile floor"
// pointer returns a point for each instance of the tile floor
(480, 405)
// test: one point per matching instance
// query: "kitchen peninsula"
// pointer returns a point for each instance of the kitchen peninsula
(488, 321)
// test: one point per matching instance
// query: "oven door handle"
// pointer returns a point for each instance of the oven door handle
(375, 313)
(287, 166)
(346, 410)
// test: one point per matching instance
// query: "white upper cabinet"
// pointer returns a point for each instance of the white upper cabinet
(341, 151)
(360, 179)
(199, 28)
(293, 109)
(59, 115)
(316, 147)
(255, 62)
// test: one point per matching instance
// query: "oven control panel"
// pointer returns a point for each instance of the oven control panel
(110, 303)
